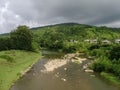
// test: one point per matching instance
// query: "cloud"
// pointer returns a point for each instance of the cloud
(43, 12)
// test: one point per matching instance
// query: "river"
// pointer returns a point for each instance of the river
(68, 76)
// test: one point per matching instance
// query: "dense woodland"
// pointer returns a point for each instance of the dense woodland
(71, 37)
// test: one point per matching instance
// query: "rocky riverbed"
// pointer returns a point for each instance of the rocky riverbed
(53, 64)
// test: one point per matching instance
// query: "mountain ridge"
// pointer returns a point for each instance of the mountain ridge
(72, 23)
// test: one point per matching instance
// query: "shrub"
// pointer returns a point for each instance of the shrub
(115, 53)
(98, 67)
(97, 52)
(96, 46)
(70, 47)
(116, 69)
(35, 47)
(5, 43)
(103, 64)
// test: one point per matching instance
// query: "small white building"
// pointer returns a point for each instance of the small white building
(94, 41)
(87, 40)
(106, 42)
(117, 41)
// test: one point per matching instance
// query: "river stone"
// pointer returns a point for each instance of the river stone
(63, 79)
(65, 69)
(89, 71)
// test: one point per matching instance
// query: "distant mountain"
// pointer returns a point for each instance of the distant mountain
(74, 24)
(60, 24)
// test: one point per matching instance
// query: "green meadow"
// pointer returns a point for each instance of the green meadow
(13, 63)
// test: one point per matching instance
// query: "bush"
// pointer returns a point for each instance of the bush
(103, 64)
(115, 53)
(5, 43)
(92, 47)
(98, 67)
(116, 69)
(20, 39)
(35, 47)
(97, 52)
(70, 47)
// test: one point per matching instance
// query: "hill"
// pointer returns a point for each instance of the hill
(80, 30)
(73, 32)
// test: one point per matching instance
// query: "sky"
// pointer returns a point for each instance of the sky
(34, 13)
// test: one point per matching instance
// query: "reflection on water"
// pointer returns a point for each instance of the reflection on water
(68, 77)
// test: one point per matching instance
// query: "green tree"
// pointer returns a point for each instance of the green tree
(5, 43)
(22, 38)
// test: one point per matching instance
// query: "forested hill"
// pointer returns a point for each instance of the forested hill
(77, 32)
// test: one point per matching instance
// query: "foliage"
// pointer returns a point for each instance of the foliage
(111, 77)
(5, 43)
(70, 47)
(92, 47)
(102, 64)
(56, 36)
(22, 38)
(115, 53)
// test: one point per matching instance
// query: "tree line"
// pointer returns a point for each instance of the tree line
(19, 39)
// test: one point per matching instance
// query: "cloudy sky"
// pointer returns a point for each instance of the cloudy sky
(44, 12)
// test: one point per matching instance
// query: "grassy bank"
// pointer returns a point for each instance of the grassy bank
(110, 77)
(12, 64)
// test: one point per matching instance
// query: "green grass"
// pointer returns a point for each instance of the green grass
(6, 57)
(12, 63)
(110, 77)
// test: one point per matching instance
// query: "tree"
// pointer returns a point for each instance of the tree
(5, 43)
(22, 38)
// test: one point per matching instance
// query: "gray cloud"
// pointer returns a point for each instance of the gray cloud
(42, 12)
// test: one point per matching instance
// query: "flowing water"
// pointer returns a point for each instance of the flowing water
(50, 74)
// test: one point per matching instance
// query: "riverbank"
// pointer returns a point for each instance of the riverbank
(111, 78)
(13, 64)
